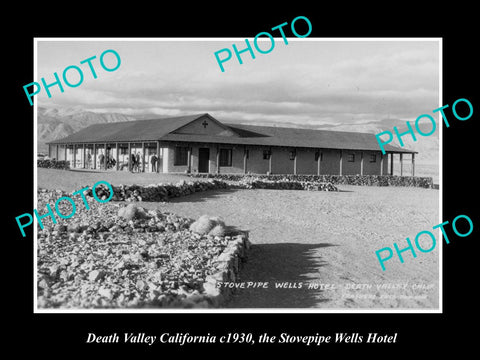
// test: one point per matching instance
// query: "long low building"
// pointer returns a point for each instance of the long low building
(200, 143)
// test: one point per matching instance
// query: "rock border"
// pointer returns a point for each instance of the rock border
(163, 192)
(229, 264)
(361, 180)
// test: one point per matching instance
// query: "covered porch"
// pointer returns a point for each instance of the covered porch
(402, 165)
(115, 156)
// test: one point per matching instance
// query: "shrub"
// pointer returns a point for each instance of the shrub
(218, 230)
(131, 212)
(208, 225)
(54, 164)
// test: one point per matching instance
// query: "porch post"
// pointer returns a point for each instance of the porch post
(401, 164)
(129, 156)
(74, 155)
(94, 157)
(158, 156)
(245, 159)
(143, 157)
(381, 164)
(341, 161)
(391, 163)
(295, 162)
(84, 156)
(318, 161)
(116, 156)
(56, 152)
(270, 161)
(105, 157)
(189, 159)
(361, 163)
(413, 164)
(218, 159)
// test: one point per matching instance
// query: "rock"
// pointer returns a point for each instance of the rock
(54, 270)
(74, 228)
(120, 265)
(140, 285)
(107, 293)
(76, 262)
(211, 289)
(64, 275)
(43, 283)
(96, 275)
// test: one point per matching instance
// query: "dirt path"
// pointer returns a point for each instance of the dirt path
(307, 238)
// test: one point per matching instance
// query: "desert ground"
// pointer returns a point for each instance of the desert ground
(311, 238)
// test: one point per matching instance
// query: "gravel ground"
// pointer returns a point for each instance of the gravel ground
(309, 238)
(97, 259)
(328, 238)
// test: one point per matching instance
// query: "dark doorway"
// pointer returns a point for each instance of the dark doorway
(203, 157)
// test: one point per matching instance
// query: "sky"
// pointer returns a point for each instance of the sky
(310, 81)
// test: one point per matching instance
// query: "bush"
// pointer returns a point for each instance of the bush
(208, 225)
(131, 212)
(218, 230)
(54, 164)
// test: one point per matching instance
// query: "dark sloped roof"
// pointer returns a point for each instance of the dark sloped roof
(161, 129)
(328, 139)
(314, 139)
(138, 130)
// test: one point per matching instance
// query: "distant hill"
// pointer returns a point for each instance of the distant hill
(55, 123)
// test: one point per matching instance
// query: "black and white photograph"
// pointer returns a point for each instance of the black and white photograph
(262, 186)
(215, 180)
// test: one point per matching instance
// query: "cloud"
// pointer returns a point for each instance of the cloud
(331, 84)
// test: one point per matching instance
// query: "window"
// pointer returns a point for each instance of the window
(180, 156)
(225, 157)
(266, 154)
(373, 157)
(317, 155)
(292, 154)
(351, 157)
(123, 150)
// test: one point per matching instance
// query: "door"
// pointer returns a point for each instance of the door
(203, 157)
